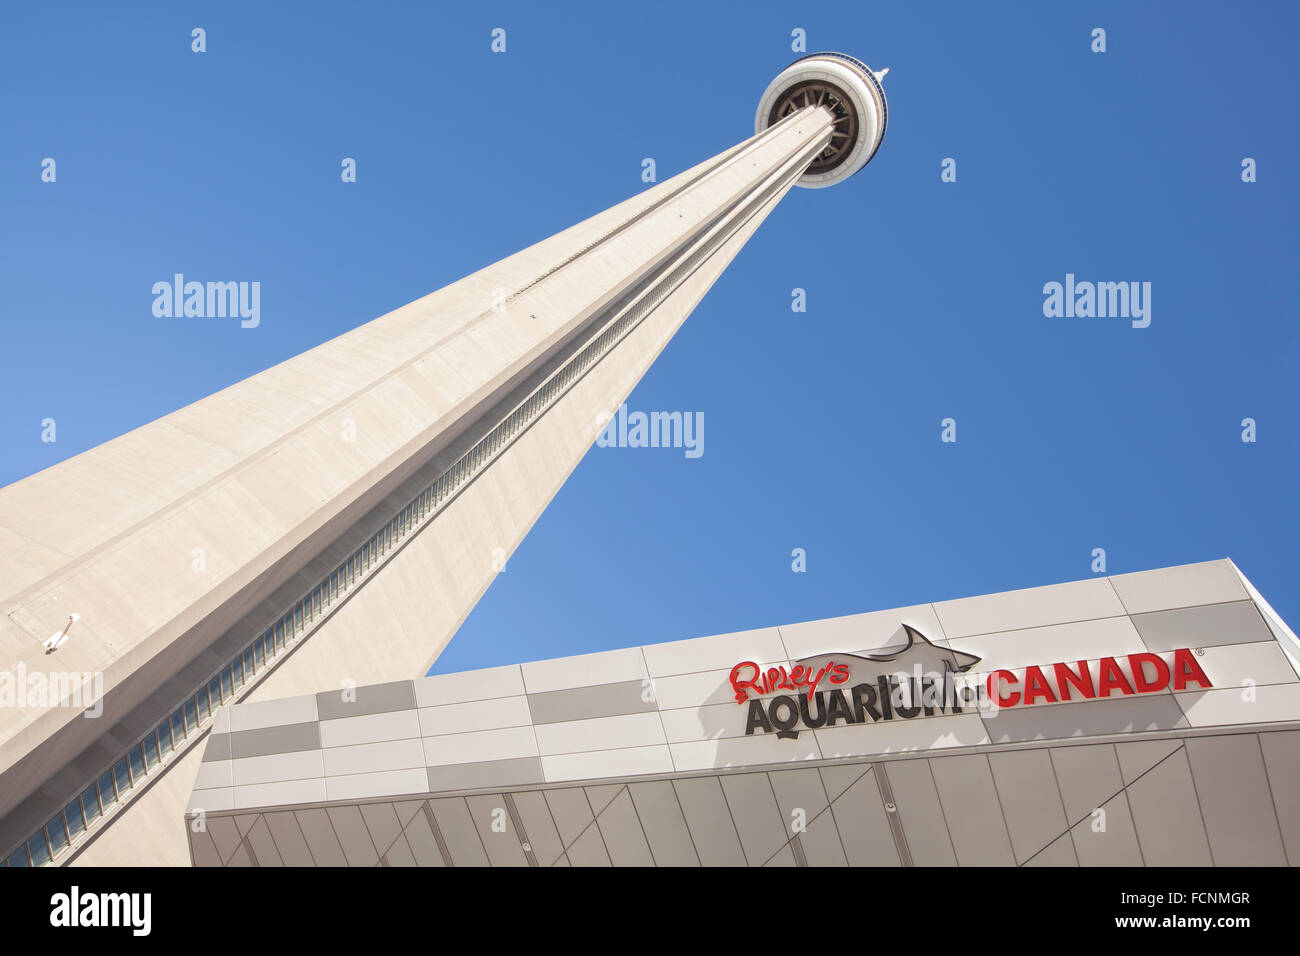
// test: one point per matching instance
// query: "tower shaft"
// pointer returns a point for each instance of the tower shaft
(381, 477)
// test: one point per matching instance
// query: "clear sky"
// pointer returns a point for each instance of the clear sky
(822, 429)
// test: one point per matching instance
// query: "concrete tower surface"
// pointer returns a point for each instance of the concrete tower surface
(352, 504)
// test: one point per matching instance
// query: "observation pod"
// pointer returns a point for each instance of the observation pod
(851, 91)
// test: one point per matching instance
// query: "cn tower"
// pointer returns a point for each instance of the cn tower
(353, 503)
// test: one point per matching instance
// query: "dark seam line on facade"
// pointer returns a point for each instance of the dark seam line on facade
(329, 819)
(796, 848)
(1268, 782)
(431, 818)
(726, 805)
(1191, 775)
(830, 805)
(829, 799)
(1065, 813)
(365, 823)
(790, 840)
(645, 836)
(305, 841)
(1122, 790)
(595, 820)
(895, 819)
(554, 826)
(474, 826)
(587, 826)
(1132, 817)
(780, 813)
(787, 840)
(1105, 617)
(943, 814)
(406, 842)
(690, 835)
(844, 792)
(530, 856)
(997, 795)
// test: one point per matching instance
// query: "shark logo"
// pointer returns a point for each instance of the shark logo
(917, 653)
(916, 678)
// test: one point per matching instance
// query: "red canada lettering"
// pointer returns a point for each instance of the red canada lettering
(995, 692)
(1082, 681)
(1036, 686)
(1112, 677)
(1186, 669)
(1136, 664)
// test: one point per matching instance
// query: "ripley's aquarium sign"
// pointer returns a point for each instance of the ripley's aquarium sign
(920, 680)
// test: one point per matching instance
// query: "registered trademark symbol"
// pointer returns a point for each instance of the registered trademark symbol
(890, 808)
(1200, 652)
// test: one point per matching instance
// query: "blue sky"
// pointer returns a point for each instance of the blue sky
(822, 428)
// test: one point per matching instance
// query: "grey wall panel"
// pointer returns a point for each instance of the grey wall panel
(785, 857)
(762, 827)
(803, 789)
(511, 772)
(709, 820)
(919, 810)
(381, 821)
(503, 846)
(1060, 852)
(1209, 625)
(288, 738)
(288, 839)
(217, 748)
(406, 809)
(225, 836)
(588, 849)
(319, 834)
(863, 824)
(259, 838)
(1030, 800)
(205, 852)
(1138, 756)
(621, 829)
(1282, 760)
(664, 824)
(1235, 801)
(370, 699)
(535, 818)
(1087, 719)
(570, 811)
(584, 703)
(1088, 776)
(838, 777)
(240, 857)
(458, 832)
(424, 845)
(1167, 816)
(399, 853)
(970, 805)
(353, 836)
(1108, 840)
(599, 797)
